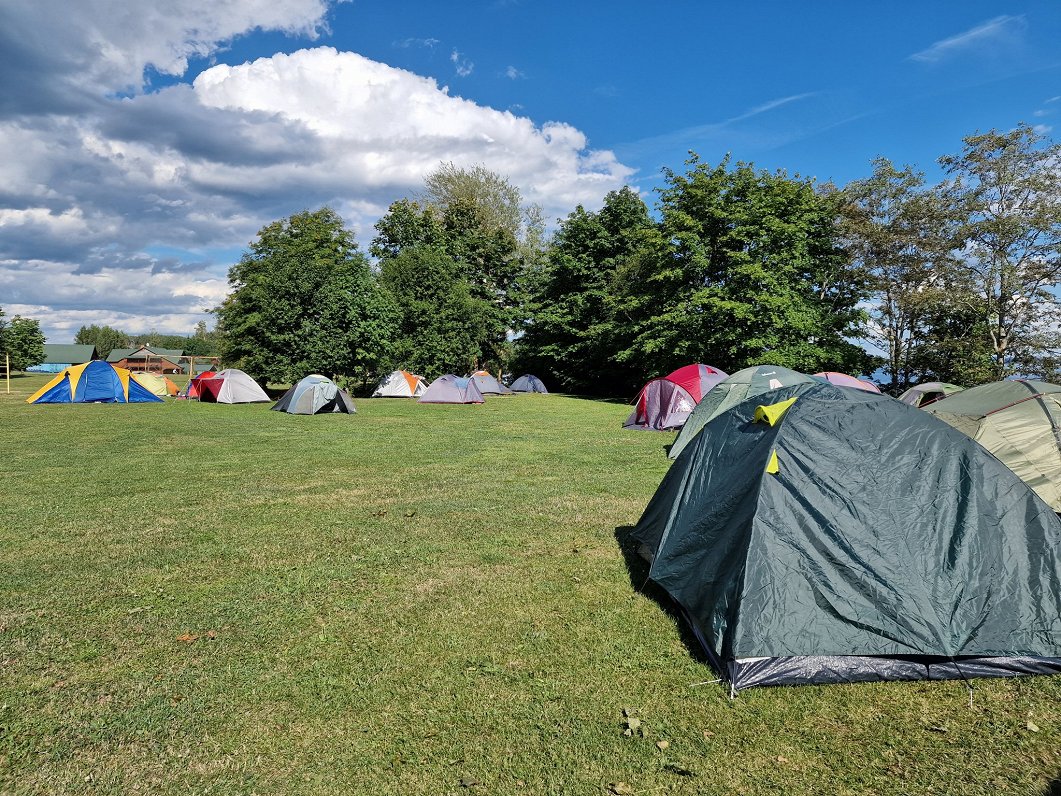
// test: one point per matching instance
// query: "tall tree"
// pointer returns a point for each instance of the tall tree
(476, 218)
(570, 338)
(745, 267)
(1006, 187)
(3, 332)
(24, 341)
(303, 300)
(901, 234)
(442, 324)
(105, 338)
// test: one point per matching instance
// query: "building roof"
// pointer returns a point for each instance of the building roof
(68, 353)
(143, 352)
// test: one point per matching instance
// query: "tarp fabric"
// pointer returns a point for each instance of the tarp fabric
(886, 546)
(231, 386)
(660, 406)
(400, 384)
(450, 389)
(528, 383)
(155, 383)
(93, 382)
(315, 395)
(1019, 422)
(929, 393)
(488, 385)
(696, 379)
(843, 380)
(731, 391)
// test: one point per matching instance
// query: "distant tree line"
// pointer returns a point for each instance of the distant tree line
(202, 342)
(734, 266)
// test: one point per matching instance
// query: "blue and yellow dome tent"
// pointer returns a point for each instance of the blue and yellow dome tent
(93, 382)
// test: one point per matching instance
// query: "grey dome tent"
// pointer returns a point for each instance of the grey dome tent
(731, 391)
(660, 406)
(488, 385)
(835, 535)
(231, 386)
(450, 389)
(929, 392)
(315, 395)
(529, 383)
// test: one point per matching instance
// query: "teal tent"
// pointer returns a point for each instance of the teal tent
(834, 535)
(731, 391)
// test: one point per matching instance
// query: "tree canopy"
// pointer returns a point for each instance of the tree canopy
(304, 301)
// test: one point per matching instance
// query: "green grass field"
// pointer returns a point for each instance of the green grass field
(203, 599)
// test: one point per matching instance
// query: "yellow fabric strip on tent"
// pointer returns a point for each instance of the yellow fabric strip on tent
(771, 413)
(772, 466)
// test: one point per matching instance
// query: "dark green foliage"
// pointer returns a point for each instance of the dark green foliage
(23, 342)
(744, 268)
(570, 339)
(304, 301)
(105, 338)
(442, 324)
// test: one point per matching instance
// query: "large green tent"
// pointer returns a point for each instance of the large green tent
(1019, 422)
(731, 391)
(840, 536)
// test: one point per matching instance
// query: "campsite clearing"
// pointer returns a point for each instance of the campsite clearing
(407, 600)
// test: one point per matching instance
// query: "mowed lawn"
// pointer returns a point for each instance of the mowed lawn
(203, 599)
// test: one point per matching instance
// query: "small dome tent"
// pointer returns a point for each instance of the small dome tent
(315, 395)
(488, 385)
(529, 383)
(193, 387)
(803, 549)
(843, 380)
(661, 405)
(97, 381)
(155, 383)
(696, 379)
(1017, 421)
(731, 391)
(401, 384)
(231, 386)
(450, 389)
(929, 393)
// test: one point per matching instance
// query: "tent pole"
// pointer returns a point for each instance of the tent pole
(7, 371)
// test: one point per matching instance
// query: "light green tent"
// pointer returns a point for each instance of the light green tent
(928, 393)
(1019, 422)
(731, 391)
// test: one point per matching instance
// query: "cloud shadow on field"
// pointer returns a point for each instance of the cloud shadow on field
(637, 570)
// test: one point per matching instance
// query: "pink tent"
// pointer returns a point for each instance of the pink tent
(661, 405)
(843, 380)
(696, 379)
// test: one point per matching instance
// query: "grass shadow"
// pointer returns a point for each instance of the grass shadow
(637, 570)
(1054, 788)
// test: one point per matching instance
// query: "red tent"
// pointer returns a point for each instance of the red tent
(196, 385)
(696, 379)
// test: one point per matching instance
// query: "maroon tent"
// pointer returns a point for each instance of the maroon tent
(660, 405)
(696, 379)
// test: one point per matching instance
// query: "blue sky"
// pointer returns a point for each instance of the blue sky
(148, 142)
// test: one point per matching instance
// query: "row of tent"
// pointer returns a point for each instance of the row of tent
(667, 403)
(101, 382)
(817, 534)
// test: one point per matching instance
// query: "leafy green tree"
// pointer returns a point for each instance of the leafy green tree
(3, 332)
(476, 218)
(304, 301)
(105, 338)
(442, 325)
(901, 234)
(24, 342)
(745, 267)
(1006, 188)
(570, 338)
